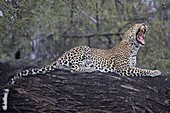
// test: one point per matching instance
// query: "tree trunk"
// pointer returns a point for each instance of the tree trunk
(60, 92)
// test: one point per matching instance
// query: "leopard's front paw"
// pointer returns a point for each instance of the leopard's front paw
(155, 73)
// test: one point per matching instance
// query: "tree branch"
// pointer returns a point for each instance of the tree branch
(91, 35)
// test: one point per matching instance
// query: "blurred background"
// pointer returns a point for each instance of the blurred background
(39, 31)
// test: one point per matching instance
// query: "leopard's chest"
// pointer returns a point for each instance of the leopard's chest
(132, 55)
(132, 61)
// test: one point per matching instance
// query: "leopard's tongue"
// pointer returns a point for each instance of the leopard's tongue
(140, 38)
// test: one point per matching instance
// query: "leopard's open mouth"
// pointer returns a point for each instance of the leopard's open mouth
(140, 35)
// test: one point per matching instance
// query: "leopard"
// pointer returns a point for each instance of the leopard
(120, 59)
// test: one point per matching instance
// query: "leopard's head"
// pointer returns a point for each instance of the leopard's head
(136, 34)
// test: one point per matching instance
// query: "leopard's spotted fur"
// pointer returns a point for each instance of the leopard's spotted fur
(120, 59)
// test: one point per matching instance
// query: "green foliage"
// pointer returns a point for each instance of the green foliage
(62, 24)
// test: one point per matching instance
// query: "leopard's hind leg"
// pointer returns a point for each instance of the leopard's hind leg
(86, 65)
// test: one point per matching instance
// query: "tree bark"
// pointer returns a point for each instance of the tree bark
(63, 92)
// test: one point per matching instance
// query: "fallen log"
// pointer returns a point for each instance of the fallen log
(63, 92)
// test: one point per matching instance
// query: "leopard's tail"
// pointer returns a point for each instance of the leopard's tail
(5, 92)
(43, 70)
(4, 98)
